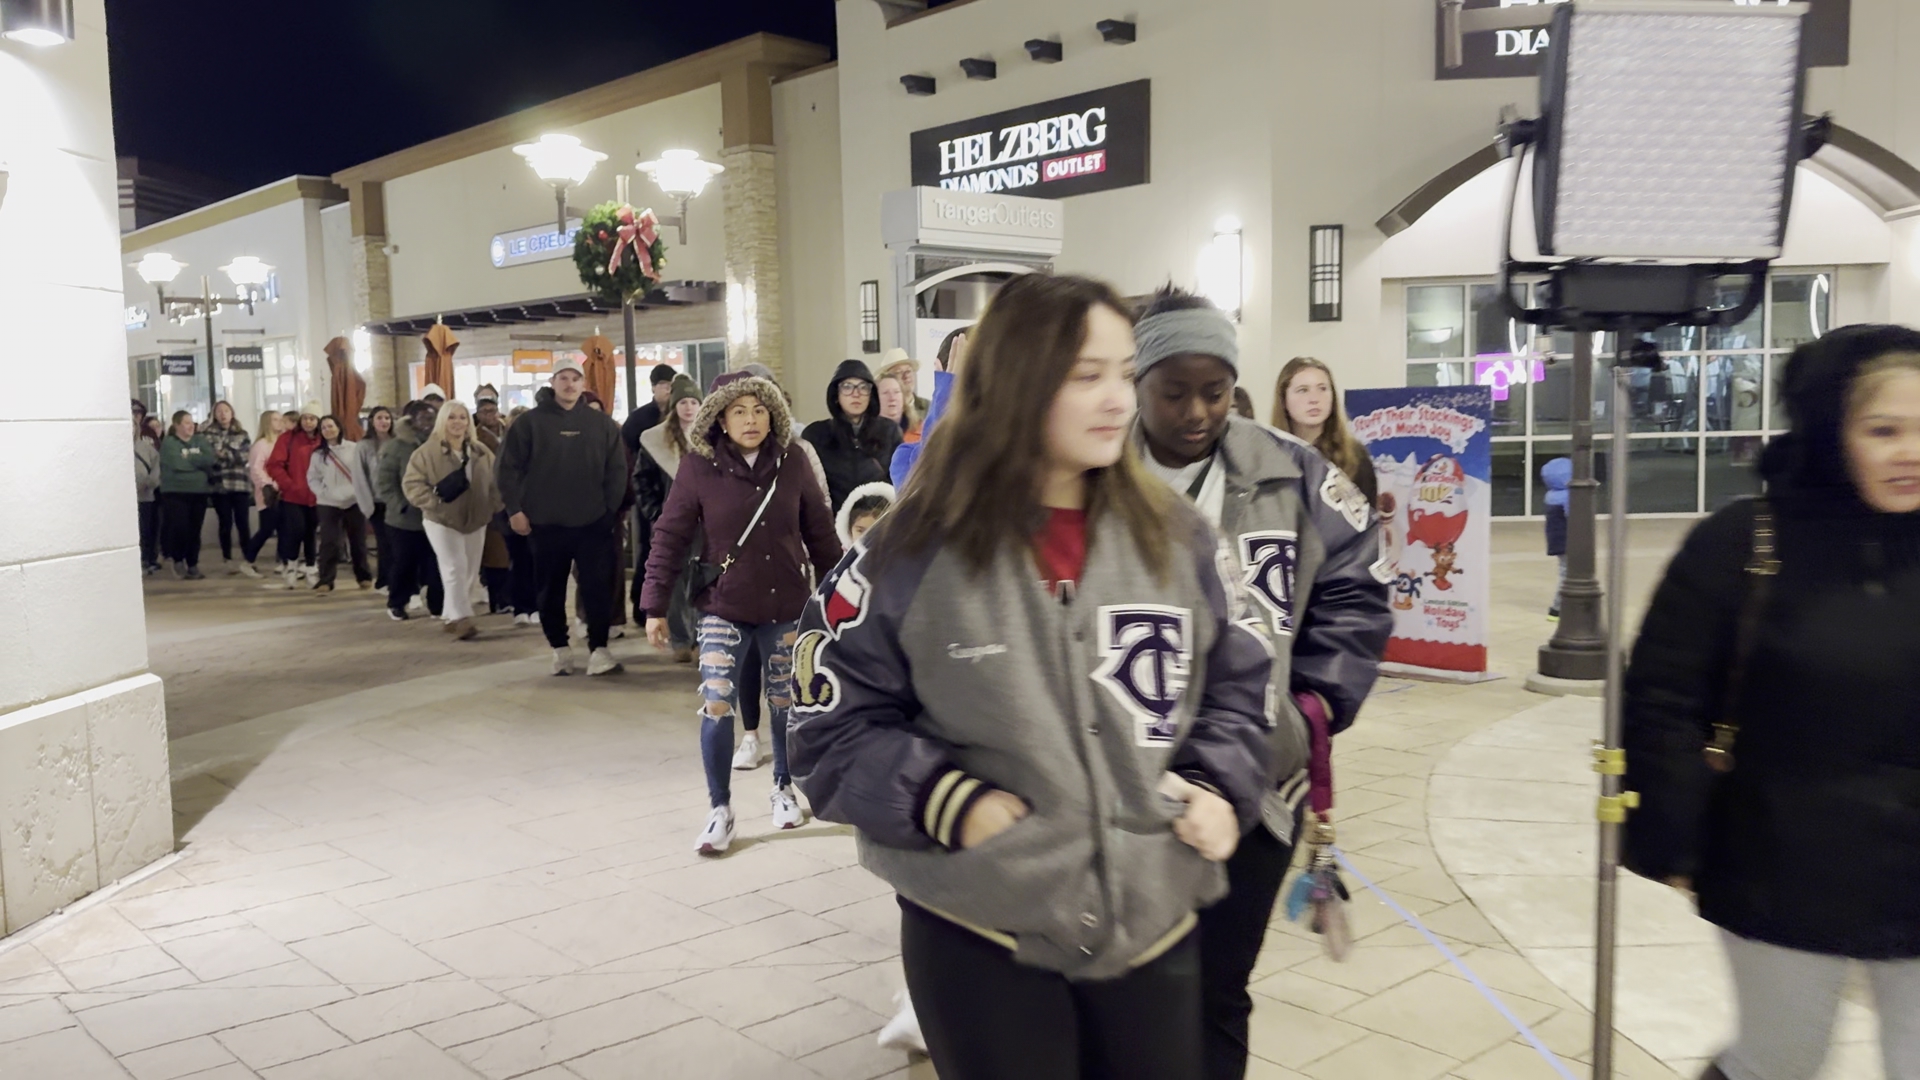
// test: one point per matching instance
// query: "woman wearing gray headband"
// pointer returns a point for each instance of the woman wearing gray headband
(1303, 542)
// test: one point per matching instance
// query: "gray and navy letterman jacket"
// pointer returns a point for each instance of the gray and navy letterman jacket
(1306, 547)
(919, 685)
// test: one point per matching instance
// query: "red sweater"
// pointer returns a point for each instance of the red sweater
(287, 465)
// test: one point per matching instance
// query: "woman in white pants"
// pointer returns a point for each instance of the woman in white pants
(451, 479)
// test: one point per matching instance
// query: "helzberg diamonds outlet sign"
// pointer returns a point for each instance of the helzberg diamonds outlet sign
(1069, 146)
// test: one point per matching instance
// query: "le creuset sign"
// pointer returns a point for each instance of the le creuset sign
(1499, 54)
(1094, 141)
(532, 245)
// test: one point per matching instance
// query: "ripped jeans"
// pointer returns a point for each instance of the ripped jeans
(723, 646)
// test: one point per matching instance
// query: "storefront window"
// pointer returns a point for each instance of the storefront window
(1710, 380)
(1436, 321)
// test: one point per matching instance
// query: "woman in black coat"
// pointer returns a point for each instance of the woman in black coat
(856, 444)
(1784, 647)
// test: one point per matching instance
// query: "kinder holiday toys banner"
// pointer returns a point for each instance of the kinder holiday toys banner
(1432, 449)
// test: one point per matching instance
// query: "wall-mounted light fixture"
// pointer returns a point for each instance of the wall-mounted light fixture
(37, 22)
(682, 174)
(1116, 31)
(362, 340)
(918, 85)
(1326, 260)
(983, 70)
(1044, 51)
(1223, 267)
(870, 316)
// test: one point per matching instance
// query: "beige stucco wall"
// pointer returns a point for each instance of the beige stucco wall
(1284, 115)
(84, 798)
(441, 219)
(806, 126)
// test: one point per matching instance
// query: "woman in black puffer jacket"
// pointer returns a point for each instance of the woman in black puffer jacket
(856, 444)
(1806, 851)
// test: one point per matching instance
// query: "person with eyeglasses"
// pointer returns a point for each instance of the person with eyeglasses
(855, 443)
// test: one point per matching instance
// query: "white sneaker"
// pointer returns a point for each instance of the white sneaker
(526, 620)
(312, 572)
(616, 631)
(786, 808)
(290, 577)
(580, 629)
(247, 569)
(563, 661)
(903, 1031)
(603, 663)
(718, 835)
(748, 756)
(416, 605)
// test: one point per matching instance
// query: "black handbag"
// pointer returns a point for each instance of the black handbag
(454, 484)
(703, 575)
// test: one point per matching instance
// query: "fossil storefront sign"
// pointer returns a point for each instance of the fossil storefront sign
(1461, 52)
(1068, 146)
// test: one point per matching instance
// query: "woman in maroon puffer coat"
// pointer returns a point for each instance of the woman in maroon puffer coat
(741, 462)
(287, 465)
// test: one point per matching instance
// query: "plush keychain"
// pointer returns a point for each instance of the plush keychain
(1318, 891)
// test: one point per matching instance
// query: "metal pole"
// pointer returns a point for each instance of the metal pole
(206, 311)
(626, 312)
(1578, 649)
(1609, 758)
(560, 209)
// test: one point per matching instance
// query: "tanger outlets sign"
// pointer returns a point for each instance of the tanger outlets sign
(1070, 146)
(1496, 54)
(536, 244)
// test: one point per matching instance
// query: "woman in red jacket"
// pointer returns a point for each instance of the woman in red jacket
(287, 465)
(764, 516)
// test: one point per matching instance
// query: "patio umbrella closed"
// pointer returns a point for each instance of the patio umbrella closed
(598, 352)
(349, 389)
(440, 344)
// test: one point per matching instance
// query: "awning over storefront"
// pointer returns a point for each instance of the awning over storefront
(669, 294)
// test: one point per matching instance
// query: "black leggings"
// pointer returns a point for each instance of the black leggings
(1231, 933)
(230, 516)
(986, 1017)
(184, 516)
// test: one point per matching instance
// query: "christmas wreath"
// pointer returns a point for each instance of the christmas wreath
(618, 252)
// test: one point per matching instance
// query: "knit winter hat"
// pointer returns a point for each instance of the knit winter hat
(662, 373)
(684, 388)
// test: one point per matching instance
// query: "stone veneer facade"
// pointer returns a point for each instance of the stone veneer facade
(84, 791)
(372, 303)
(753, 259)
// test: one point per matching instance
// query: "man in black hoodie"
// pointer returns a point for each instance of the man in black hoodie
(650, 414)
(563, 476)
(856, 445)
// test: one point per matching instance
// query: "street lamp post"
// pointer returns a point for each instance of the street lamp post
(248, 274)
(682, 175)
(1578, 649)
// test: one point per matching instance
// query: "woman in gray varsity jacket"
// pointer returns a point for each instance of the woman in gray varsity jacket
(1033, 691)
(1306, 545)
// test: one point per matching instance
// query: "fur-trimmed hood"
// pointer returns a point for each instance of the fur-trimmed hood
(843, 521)
(706, 426)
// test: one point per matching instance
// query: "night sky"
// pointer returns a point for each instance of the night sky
(250, 91)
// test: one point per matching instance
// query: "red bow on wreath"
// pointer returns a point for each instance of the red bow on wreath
(638, 231)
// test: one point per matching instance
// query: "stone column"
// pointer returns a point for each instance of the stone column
(753, 258)
(373, 302)
(85, 797)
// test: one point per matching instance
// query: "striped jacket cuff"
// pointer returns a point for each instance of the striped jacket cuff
(944, 805)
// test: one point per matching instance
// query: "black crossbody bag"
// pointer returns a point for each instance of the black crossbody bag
(702, 575)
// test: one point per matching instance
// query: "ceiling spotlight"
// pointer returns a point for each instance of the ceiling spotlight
(980, 69)
(918, 85)
(37, 22)
(1044, 51)
(1115, 31)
